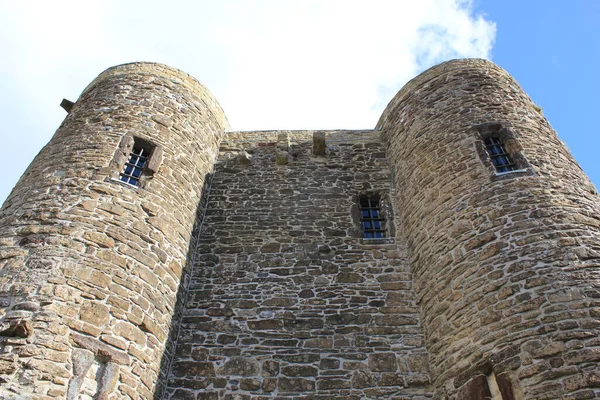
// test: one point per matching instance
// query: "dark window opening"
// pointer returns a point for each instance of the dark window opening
(500, 158)
(371, 219)
(134, 167)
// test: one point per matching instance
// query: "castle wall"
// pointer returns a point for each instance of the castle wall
(506, 267)
(254, 281)
(286, 299)
(90, 267)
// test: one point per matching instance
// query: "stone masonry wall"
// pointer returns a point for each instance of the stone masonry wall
(286, 300)
(253, 282)
(90, 267)
(506, 267)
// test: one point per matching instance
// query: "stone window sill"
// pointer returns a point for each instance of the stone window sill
(511, 174)
(516, 171)
(128, 185)
(377, 241)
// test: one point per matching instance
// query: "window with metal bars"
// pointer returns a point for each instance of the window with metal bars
(500, 158)
(371, 219)
(134, 166)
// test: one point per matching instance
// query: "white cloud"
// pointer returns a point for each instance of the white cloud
(272, 64)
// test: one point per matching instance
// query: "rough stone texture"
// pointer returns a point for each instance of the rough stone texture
(286, 298)
(505, 266)
(476, 389)
(253, 282)
(90, 264)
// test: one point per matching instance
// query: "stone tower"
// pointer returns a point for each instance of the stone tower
(91, 267)
(505, 264)
(450, 253)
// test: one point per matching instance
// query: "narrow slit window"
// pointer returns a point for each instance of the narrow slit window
(134, 166)
(500, 158)
(371, 219)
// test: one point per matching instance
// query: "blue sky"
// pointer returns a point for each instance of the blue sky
(305, 64)
(552, 48)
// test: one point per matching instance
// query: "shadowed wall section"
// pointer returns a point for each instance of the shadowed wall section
(506, 266)
(286, 299)
(90, 267)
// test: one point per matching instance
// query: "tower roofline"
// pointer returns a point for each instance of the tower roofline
(436, 71)
(163, 71)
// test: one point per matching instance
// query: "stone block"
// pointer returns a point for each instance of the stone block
(364, 379)
(193, 368)
(267, 324)
(475, 389)
(287, 385)
(319, 147)
(94, 313)
(299, 370)
(240, 366)
(383, 362)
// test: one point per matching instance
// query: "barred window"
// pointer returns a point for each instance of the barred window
(136, 161)
(500, 158)
(371, 219)
(134, 167)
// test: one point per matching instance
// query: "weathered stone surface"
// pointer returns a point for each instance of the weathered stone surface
(240, 366)
(237, 268)
(18, 328)
(193, 368)
(90, 253)
(319, 145)
(364, 379)
(201, 395)
(497, 258)
(94, 313)
(100, 349)
(299, 370)
(383, 362)
(310, 298)
(476, 389)
(244, 158)
(296, 385)
(282, 158)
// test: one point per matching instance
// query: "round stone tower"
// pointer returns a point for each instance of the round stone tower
(96, 234)
(505, 251)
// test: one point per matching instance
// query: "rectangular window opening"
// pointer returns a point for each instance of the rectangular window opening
(134, 166)
(502, 161)
(371, 219)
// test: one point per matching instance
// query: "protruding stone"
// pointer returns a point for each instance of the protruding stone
(319, 147)
(282, 158)
(283, 141)
(67, 105)
(82, 361)
(244, 158)
(18, 328)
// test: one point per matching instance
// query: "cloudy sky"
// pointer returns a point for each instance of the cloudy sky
(283, 64)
